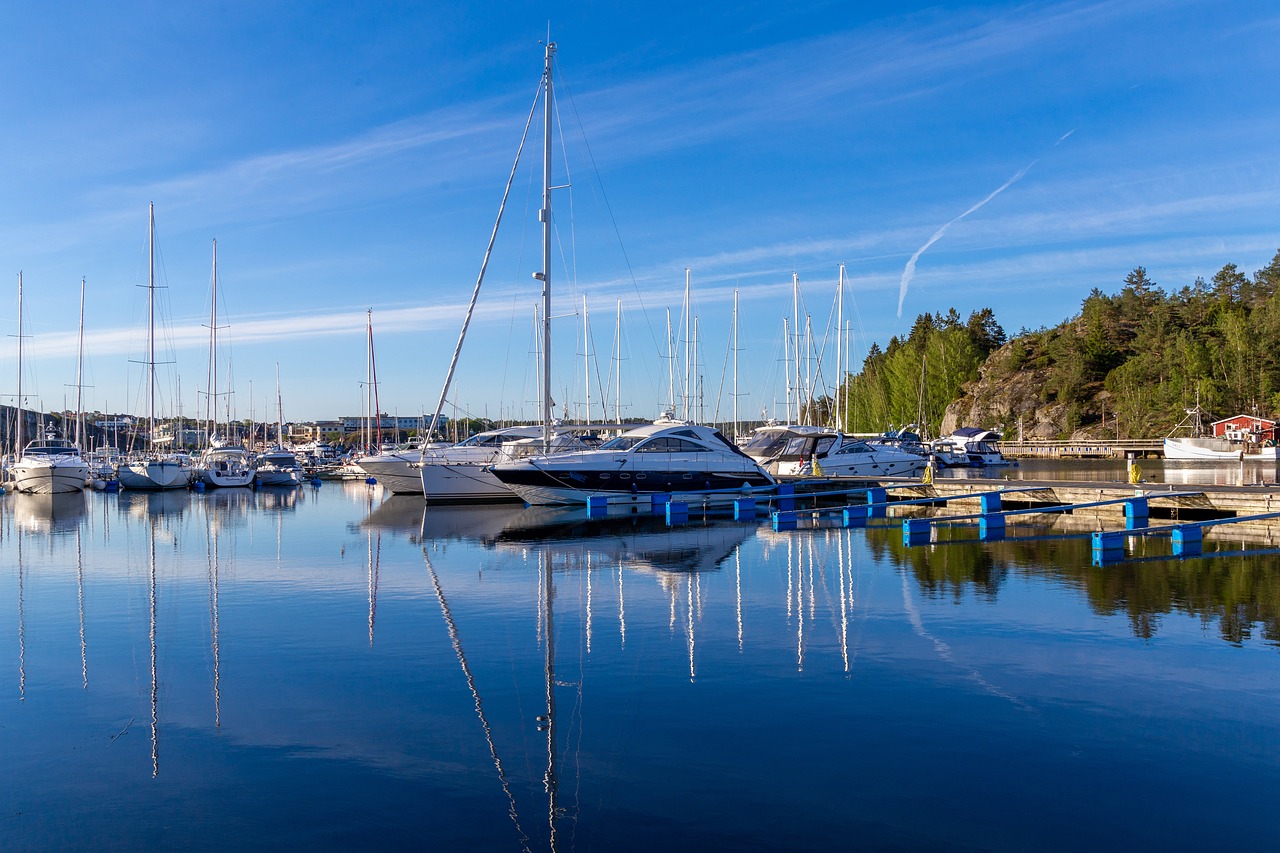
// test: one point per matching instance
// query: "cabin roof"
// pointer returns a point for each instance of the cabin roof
(1251, 418)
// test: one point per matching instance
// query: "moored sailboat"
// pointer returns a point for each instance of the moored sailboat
(152, 469)
(225, 463)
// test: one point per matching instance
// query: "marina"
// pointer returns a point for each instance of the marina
(333, 666)
(699, 493)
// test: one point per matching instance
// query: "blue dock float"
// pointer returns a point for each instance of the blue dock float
(915, 531)
(597, 506)
(744, 508)
(1187, 538)
(992, 523)
(677, 512)
(785, 519)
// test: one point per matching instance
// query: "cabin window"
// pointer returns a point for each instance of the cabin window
(856, 447)
(668, 444)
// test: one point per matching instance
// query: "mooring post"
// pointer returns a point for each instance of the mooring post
(1188, 540)
(876, 500)
(991, 527)
(915, 531)
(597, 506)
(1135, 513)
(855, 516)
(1108, 547)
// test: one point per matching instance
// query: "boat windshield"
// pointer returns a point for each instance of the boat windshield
(856, 447)
(622, 442)
(767, 444)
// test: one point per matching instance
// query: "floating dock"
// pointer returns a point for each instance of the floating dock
(1177, 501)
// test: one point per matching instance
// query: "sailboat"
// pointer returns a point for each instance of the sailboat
(49, 466)
(462, 473)
(393, 468)
(224, 463)
(152, 469)
(278, 466)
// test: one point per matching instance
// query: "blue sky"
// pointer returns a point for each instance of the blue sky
(349, 157)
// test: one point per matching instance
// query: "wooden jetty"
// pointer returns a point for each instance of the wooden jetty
(1103, 449)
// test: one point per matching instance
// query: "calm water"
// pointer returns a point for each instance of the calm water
(327, 669)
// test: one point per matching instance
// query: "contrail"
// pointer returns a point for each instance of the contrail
(910, 269)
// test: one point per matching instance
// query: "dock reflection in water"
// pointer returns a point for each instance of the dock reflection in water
(326, 668)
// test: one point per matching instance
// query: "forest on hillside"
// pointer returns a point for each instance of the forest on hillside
(1143, 354)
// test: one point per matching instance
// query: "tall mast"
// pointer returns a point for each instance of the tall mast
(373, 385)
(688, 343)
(795, 329)
(735, 364)
(545, 216)
(368, 383)
(212, 412)
(17, 441)
(786, 364)
(671, 366)
(80, 374)
(617, 350)
(151, 325)
(586, 354)
(279, 410)
(696, 377)
(839, 350)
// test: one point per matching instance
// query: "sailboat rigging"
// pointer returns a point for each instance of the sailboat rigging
(152, 469)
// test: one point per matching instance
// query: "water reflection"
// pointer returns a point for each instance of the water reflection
(144, 505)
(1237, 592)
(539, 674)
(49, 514)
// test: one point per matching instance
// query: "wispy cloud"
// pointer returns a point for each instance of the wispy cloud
(910, 270)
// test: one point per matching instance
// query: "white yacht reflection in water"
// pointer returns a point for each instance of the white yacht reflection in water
(557, 542)
(50, 513)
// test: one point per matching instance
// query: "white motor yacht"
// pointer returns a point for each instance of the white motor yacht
(660, 458)
(278, 467)
(969, 447)
(808, 451)
(52, 466)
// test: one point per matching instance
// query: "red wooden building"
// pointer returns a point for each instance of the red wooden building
(1245, 427)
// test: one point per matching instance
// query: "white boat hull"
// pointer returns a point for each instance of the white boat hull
(154, 474)
(570, 496)
(232, 479)
(1216, 450)
(279, 477)
(49, 479)
(395, 473)
(441, 482)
